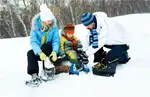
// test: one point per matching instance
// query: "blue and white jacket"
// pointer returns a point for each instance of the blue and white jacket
(110, 32)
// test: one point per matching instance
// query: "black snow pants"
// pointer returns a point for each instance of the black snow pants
(117, 53)
(33, 59)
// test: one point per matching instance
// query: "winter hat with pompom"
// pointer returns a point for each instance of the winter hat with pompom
(87, 18)
(45, 13)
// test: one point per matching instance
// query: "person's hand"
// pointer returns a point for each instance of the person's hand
(84, 54)
(84, 58)
(53, 56)
(79, 50)
(42, 56)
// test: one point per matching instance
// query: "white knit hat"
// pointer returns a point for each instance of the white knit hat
(45, 13)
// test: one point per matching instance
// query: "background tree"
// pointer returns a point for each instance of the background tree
(16, 15)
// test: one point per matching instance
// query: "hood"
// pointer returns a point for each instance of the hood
(37, 23)
(63, 33)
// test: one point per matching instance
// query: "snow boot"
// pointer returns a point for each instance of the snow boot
(99, 65)
(73, 70)
(105, 70)
(34, 82)
(84, 68)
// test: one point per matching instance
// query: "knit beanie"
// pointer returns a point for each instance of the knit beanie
(87, 18)
(45, 13)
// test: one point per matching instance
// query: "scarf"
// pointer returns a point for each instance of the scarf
(45, 29)
(73, 43)
(93, 39)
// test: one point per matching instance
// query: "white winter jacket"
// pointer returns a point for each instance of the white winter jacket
(110, 32)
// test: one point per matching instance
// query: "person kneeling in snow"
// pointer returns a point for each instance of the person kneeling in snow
(44, 40)
(104, 32)
(71, 48)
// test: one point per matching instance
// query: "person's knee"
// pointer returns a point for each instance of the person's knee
(72, 57)
(71, 54)
(125, 47)
(124, 58)
(46, 48)
(30, 53)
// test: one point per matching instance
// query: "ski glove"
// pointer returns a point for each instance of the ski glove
(83, 58)
(42, 56)
(53, 56)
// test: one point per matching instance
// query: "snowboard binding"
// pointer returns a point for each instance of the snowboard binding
(48, 71)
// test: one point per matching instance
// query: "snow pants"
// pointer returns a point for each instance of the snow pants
(117, 53)
(73, 57)
(33, 59)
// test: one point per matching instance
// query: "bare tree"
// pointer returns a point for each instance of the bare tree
(9, 22)
(15, 21)
(18, 14)
(71, 13)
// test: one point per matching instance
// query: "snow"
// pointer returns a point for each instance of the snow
(131, 79)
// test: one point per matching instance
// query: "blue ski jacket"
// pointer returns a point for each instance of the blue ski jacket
(36, 35)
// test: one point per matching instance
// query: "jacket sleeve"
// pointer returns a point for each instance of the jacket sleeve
(90, 51)
(62, 41)
(56, 40)
(34, 42)
(79, 44)
(67, 46)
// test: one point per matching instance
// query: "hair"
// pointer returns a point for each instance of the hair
(44, 27)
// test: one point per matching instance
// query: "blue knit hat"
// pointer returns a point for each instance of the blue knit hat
(87, 18)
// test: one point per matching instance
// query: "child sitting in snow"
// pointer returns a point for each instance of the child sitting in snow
(71, 49)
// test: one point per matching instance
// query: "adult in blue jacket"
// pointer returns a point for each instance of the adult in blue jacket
(44, 40)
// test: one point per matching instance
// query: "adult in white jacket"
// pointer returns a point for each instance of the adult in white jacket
(105, 32)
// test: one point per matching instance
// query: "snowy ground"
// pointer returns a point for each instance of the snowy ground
(131, 79)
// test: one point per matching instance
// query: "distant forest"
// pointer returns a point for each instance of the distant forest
(15, 18)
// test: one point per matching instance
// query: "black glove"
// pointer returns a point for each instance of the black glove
(83, 58)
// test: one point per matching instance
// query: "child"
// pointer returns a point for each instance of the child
(71, 48)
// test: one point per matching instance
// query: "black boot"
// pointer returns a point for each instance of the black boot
(107, 70)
